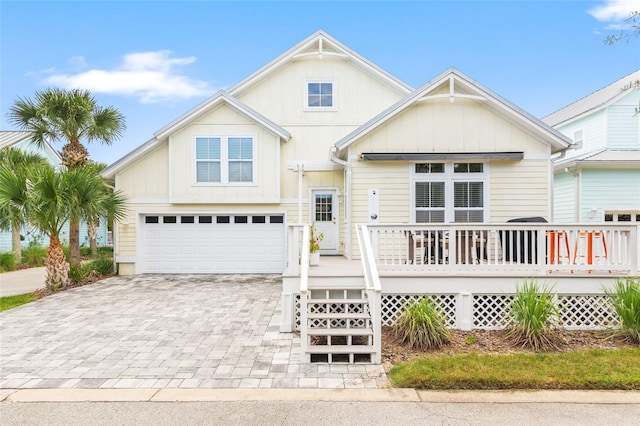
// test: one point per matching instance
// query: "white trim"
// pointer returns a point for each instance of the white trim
(224, 161)
(227, 200)
(126, 259)
(536, 156)
(449, 178)
(334, 98)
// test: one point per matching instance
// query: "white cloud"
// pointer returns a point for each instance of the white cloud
(146, 75)
(614, 10)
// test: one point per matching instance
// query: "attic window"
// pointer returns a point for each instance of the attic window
(319, 95)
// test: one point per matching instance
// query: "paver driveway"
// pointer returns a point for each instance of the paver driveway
(157, 331)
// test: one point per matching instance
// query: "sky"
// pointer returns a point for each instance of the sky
(155, 60)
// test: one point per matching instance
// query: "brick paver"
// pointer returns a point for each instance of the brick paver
(163, 331)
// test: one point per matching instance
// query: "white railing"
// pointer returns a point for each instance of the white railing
(298, 263)
(373, 288)
(529, 249)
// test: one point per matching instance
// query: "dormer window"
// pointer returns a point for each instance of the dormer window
(320, 95)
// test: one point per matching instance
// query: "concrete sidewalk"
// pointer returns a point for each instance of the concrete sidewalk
(342, 395)
(22, 281)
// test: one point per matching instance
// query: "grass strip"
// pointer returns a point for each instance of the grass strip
(9, 302)
(604, 369)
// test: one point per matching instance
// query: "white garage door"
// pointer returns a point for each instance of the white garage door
(213, 244)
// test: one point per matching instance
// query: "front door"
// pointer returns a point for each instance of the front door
(324, 216)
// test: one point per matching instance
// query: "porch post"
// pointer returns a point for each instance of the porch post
(464, 311)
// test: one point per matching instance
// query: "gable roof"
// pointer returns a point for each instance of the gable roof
(320, 43)
(595, 101)
(13, 137)
(159, 137)
(461, 86)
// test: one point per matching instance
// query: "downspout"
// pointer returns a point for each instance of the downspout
(300, 174)
(347, 197)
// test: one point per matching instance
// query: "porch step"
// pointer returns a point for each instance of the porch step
(341, 349)
(339, 316)
(340, 301)
(339, 332)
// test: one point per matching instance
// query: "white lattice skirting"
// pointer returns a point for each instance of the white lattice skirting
(490, 311)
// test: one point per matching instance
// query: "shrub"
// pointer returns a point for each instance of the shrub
(99, 266)
(422, 325)
(34, 256)
(85, 251)
(625, 297)
(77, 274)
(105, 250)
(534, 318)
(7, 262)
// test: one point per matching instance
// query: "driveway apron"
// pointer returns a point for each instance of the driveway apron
(164, 331)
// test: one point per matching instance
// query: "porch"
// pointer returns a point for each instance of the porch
(470, 270)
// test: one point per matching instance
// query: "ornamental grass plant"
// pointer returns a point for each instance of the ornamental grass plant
(534, 319)
(422, 326)
(625, 298)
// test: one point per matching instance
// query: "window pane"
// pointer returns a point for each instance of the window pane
(207, 171)
(241, 171)
(422, 194)
(314, 88)
(468, 216)
(437, 194)
(430, 168)
(208, 148)
(461, 194)
(460, 168)
(476, 168)
(240, 148)
(476, 196)
(326, 100)
(430, 216)
(326, 88)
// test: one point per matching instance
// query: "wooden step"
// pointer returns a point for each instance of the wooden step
(339, 316)
(339, 301)
(339, 332)
(341, 349)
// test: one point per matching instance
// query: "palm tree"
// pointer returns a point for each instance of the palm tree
(55, 197)
(15, 166)
(72, 116)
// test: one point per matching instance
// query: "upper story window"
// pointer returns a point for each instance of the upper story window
(578, 138)
(449, 192)
(320, 95)
(224, 159)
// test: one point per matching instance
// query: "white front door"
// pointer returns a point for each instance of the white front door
(324, 216)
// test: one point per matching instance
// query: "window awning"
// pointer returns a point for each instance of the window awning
(435, 156)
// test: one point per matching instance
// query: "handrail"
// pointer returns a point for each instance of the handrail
(372, 279)
(304, 260)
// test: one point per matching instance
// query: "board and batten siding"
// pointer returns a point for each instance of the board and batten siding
(147, 178)
(519, 189)
(565, 198)
(223, 121)
(609, 189)
(281, 96)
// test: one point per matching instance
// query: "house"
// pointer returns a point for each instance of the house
(22, 140)
(303, 140)
(599, 179)
(412, 189)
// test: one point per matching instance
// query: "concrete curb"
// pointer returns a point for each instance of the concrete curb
(336, 395)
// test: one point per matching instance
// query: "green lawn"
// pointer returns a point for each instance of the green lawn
(592, 369)
(9, 302)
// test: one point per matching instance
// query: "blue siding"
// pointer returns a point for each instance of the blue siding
(609, 189)
(564, 198)
(623, 127)
(31, 235)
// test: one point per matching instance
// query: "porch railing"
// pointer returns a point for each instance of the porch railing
(373, 288)
(532, 249)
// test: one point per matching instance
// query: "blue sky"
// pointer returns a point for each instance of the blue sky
(154, 60)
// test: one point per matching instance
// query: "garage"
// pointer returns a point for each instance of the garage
(201, 243)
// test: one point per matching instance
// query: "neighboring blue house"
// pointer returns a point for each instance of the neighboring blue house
(599, 180)
(22, 140)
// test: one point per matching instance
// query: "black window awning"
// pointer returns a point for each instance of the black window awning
(438, 156)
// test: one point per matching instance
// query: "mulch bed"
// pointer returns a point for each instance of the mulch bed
(493, 341)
